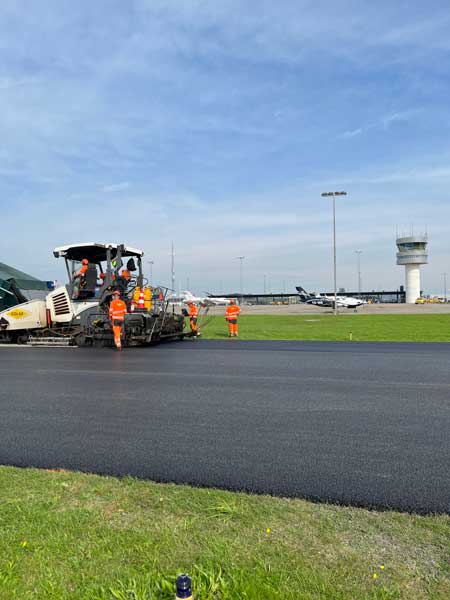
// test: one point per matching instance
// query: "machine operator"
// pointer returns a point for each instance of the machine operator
(81, 272)
(79, 279)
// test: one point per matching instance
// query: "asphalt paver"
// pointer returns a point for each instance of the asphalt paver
(365, 424)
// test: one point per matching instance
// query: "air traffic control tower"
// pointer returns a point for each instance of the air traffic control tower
(412, 252)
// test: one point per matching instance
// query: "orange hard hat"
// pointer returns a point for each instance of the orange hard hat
(85, 261)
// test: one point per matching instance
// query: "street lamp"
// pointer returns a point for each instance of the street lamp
(445, 286)
(334, 194)
(151, 263)
(241, 276)
(358, 254)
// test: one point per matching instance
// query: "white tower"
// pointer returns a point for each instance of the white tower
(412, 252)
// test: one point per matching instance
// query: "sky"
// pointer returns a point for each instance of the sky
(218, 125)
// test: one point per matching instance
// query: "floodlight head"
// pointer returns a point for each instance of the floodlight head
(334, 194)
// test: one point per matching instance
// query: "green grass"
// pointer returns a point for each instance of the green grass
(71, 536)
(389, 328)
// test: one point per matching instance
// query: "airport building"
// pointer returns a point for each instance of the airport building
(411, 253)
(385, 296)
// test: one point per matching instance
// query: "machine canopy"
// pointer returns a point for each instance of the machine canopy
(93, 251)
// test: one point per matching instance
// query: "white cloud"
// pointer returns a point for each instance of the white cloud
(351, 134)
(116, 187)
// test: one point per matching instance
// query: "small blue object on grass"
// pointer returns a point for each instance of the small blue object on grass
(184, 587)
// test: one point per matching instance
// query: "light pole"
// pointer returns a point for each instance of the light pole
(173, 268)
(241, 276)
(150, 264)
(334, 194)
(265, 283)
(358, 254)
(445, 286)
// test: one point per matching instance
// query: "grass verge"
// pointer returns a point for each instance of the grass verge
(72, 536)
(358, 327)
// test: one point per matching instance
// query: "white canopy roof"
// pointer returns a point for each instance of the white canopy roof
(93, 249)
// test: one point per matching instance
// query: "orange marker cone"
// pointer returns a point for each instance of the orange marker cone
(132, 305)
(141, 302)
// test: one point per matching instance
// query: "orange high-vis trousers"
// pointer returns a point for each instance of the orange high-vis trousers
(117, 330)
(193, 323)
(233, 327)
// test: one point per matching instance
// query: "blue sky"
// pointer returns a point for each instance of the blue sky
(218, 125)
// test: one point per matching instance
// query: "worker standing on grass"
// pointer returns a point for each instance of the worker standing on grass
(193, 316)
(117, 312)
(231, 315)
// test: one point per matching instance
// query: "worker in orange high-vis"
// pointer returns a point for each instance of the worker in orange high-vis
(193, 316)
(82, 272)
(117, 312)
(79, 278)
(126, 275)
(231, 315)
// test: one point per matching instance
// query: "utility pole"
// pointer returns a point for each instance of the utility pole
(173, 268)
(358, 254)
(150, 264)
(241, 277)
(334, 194)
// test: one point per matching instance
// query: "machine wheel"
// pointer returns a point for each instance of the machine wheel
(82, 341)
(22, 339)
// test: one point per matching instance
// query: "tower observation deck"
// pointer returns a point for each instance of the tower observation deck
(412, 252)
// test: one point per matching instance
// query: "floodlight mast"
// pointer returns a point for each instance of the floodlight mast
(241, 277)
(358, 254)
(150, 264)
(334, 194)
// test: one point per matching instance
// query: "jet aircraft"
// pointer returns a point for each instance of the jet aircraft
(328, 301)
(188, 296)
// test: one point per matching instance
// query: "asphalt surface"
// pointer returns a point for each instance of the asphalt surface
(353, 423)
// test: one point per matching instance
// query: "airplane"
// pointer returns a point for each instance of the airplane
(328, 301)
(188, 296)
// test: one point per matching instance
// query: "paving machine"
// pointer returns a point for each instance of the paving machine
(78, 313)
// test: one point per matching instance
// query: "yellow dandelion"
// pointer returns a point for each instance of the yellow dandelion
(24, 544)
(374, 576)
(382, 567)
(268, 530)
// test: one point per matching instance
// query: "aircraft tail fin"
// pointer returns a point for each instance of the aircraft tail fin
(303, 294)
(301, 291)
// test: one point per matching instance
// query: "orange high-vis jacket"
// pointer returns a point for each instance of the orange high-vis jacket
(81, 272)
(117, 310)
(193, 310)
(232, 312)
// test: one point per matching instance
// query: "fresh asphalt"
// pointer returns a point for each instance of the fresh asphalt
(366, 424)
